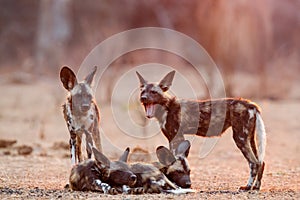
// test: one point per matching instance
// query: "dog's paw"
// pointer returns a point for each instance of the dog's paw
(138, 190)
(245, 188)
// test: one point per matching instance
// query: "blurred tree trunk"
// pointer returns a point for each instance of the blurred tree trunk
(53, 33)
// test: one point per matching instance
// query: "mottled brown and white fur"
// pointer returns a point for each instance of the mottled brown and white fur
(81, 113)
(102, 175)
(208, 118)
(167, 174)
(175, 167)
(114, 177)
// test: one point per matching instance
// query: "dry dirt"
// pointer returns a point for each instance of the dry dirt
(30, 113)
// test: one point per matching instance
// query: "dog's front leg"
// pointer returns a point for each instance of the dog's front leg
(89, 143)
(73, 144)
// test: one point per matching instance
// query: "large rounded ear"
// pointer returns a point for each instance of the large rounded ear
(166, 82)
(101, 158)
(183, 148)
(89, 78)
(165, 156)
(143, 82)
(68, 78)
(124, 156)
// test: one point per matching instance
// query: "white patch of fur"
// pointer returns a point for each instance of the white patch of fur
(251, 113)
(73, 155)
(161, 182)
(245, 130)
(181, 191)
(250, 181)
(98, 182)
(261, 137)
(241, 138)
(125, 189)
(104, 186)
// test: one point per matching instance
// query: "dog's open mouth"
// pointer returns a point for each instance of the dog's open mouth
(150, 110)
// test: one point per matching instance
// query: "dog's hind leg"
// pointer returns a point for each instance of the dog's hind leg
(243, 143)
(89, 143)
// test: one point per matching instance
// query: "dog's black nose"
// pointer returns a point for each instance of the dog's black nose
(188, 184)
(85, 107)
(143, 98)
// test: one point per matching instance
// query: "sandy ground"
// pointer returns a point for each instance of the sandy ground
(31, 115)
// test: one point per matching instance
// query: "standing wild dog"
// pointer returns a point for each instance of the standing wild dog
(81, 113)
(102, 175)
(208, 118)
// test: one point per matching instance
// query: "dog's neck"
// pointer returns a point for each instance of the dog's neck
(169, 119)
(167, 108)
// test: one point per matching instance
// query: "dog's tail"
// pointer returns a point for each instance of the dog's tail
(260, 137)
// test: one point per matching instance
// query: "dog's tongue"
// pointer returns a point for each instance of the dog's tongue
(150, 109)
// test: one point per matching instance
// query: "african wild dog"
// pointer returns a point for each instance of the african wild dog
(102, 175)
(153, 178)
(150, 178)
(115, 177)
(208, 118)
(175, 167)
(81, 113)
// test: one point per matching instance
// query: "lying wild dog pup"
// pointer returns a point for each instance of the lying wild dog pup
(154, 178)
(81, 113)
(102, 175)
(150, 178)
(208, 118)
(175, 167)
(118, 177)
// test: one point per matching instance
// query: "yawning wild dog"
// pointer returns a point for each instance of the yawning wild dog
(208, 118)
(102, 174)
(81, 113)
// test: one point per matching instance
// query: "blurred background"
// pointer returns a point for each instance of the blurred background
(258, 41)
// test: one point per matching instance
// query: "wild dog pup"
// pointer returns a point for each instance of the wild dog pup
(102, 175)
(150, 178)
(208, 118)
(81, 113)
(175, 167)
(155, 178)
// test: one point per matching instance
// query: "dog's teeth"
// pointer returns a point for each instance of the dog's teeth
(150, 110)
